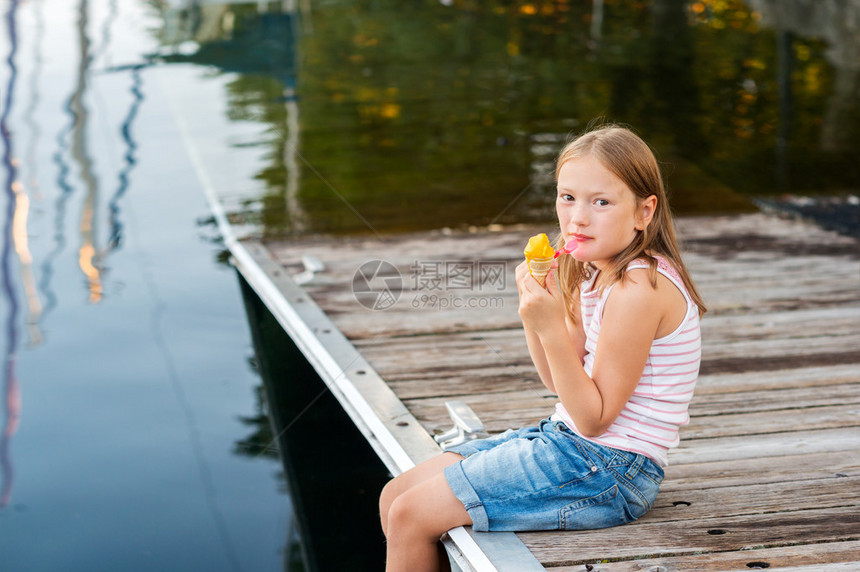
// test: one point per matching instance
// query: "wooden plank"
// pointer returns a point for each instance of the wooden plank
(808, 322)
(504, 354)
(826, 567)
(781, 399)
(511, 372)
(504, 379)
(755, 285)
(475, 347)
(753, 471)
(527, 406)
(825, 557)
(765, 446)
(779, 378)
(777, 288)
(778, 291)
(796, 495)
(764, 390)
(709, 535)
(411, 315)
(778, 422)
(775, 347)
(751, 363)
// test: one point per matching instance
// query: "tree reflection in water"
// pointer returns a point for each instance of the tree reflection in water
(424, 115)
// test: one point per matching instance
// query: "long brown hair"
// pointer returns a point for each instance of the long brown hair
(629, 158)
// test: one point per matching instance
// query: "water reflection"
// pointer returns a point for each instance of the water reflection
(63, 183)
(129, 161)
(88, 260)
(99, 252)
(14, 206)
(259, 43)
(437, 114)
(31, 188)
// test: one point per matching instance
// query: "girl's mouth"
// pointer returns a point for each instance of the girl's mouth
(571, 244)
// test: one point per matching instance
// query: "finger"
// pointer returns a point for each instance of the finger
(528, 283)
(520, 272)
(551, 284)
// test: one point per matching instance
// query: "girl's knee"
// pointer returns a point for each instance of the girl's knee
(390, 492)
(405, 482)
(403, 516)
(426, 511)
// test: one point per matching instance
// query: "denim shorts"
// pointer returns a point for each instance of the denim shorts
(549, 478)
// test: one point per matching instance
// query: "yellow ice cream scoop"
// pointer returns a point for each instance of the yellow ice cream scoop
(539, 256)
(539, 247)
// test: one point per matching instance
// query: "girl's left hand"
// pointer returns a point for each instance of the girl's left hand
(541, 310)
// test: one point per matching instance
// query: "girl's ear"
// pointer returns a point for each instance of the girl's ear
(645, 212)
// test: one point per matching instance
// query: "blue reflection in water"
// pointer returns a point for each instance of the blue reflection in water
(116, 226)
(11, 389)
(106, 30)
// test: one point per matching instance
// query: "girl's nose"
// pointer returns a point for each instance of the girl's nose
(579, 216)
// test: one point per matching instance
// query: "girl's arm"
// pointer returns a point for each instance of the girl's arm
(631, 317)
(536, 350)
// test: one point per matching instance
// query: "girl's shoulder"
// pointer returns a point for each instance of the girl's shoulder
(637, 284)
(657, 304)
(667, 293)
(664, 266)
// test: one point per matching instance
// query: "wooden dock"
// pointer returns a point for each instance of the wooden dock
(768, 471)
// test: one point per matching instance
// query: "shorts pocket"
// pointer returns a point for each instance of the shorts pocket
(609, 508)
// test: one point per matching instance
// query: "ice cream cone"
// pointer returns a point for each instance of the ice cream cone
(538, 267)
(539, 255)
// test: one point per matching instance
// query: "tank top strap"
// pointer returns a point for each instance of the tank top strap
(664, 267)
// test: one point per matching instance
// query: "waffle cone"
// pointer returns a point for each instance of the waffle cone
(538, 267)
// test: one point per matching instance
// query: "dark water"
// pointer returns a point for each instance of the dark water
(151, 415)
(333, 473)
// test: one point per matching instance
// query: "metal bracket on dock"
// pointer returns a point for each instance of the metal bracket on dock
(312, 265)
(466, 427)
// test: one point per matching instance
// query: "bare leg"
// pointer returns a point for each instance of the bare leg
(417, 518)
(417, 474)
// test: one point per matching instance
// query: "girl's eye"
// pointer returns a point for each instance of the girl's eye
(602, 202)
(567, 198)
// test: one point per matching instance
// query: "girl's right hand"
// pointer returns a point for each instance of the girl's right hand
(542, 309)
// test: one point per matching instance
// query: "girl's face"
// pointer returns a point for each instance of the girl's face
(598, 214)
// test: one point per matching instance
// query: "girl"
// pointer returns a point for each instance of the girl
(615, 335)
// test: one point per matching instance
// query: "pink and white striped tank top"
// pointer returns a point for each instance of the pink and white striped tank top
(650, 420)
